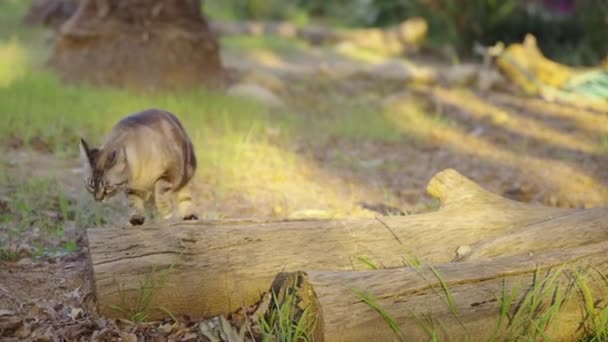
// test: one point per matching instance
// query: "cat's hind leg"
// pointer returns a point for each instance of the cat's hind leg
(163, 198)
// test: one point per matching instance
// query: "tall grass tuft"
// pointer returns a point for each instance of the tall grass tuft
(595, 320)
(140, 310)
(370, 300)
(286, 321)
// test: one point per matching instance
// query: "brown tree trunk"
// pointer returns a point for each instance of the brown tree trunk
(150, 44)
(213, 268)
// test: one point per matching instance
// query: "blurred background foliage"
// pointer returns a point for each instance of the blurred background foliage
(570, 31)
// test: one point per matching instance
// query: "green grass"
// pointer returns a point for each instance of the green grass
(539, 307)
(235, 10)
(367, 262)
(267, 43)
(10, 15)
(370, 300)
(448, 297)
(364, 124)
(33, 42)
(595, 322)
(220, 10)
(42, 220)
(603, 144)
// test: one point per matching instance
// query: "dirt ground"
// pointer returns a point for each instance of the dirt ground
(522, 148)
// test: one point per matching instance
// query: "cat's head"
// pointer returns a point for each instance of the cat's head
(105, 170)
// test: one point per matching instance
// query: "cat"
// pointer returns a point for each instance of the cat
(146, 155)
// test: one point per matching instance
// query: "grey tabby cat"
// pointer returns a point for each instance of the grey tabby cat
(147, 154)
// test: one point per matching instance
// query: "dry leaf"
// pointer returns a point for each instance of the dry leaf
(5, 312)
(208, 332)
(189, 337)
(262, 308)
(8, 320)
(75, 313)
(231, 334)
(74, 294)
(23, 331)
(128, 337)
(166, 328)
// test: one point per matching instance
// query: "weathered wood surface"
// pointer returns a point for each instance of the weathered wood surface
(218, 267)
(410, 295)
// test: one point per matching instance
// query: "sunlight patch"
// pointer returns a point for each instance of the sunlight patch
(13, 61)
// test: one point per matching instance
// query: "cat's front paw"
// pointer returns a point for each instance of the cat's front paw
(191, 217)
(137, 220)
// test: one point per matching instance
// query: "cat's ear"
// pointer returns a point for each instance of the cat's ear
(120, 158)
(84, 149)
(86, 154)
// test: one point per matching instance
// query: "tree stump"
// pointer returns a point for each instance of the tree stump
(208, 268)
(145, 44)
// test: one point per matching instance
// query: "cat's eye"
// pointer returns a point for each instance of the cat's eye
(111, 159)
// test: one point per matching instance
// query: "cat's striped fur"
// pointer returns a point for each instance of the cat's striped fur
(146, 155)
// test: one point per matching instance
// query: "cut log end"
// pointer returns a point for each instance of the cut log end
(296, 290)
(450, 186)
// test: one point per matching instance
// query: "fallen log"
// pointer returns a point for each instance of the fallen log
(346, 305)
(208, 268)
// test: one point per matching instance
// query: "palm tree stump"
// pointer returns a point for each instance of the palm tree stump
(149, 44)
